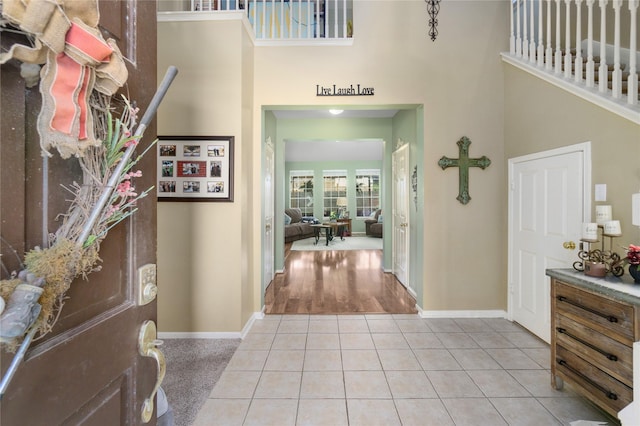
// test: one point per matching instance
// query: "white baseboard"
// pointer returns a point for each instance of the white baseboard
(249, 324)
(461, 314)
(199, 335)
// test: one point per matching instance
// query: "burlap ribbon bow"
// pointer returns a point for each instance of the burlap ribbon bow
(77, 61)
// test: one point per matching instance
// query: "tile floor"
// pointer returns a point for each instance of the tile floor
(390, 370)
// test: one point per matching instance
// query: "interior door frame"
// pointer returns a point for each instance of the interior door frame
(584, 149)
(407, 208)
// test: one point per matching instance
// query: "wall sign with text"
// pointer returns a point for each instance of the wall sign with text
(351, 90)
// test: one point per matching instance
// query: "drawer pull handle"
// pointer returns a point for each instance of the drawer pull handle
(610, 357)
(609, 394)
(609, 318)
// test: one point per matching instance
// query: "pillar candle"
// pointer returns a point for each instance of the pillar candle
(590, 231)
(612, 227)
(603, 214)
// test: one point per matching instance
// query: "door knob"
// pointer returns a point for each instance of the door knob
(147, 347)
(569, 245)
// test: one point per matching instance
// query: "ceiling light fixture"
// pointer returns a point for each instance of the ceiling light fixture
(336, 111)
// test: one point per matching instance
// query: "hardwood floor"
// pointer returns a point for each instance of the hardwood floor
(336, 282)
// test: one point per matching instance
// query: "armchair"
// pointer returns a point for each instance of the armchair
(373, 226)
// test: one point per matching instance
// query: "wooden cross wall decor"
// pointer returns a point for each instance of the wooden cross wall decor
(463, 163)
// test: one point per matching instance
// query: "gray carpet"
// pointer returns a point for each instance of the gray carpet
(193, 368)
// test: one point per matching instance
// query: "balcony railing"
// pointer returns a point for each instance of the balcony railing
(547, 38)
(289, 19)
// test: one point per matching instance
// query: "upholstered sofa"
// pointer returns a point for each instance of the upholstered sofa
(373, 226)
(298, 228)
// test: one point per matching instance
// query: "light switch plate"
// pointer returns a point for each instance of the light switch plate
(601, 192)
(147, 288)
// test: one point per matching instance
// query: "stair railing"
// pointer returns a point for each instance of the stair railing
(613, 74)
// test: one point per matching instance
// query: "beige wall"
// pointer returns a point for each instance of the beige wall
(539, 117)
(459, 80)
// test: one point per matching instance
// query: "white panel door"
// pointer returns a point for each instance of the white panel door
(546, 210)
(400, 172)
(268, 249)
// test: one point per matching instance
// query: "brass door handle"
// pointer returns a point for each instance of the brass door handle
(147, 343)
(569, 245)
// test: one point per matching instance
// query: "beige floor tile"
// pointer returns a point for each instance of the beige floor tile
(323, 360)
(501, 324)
(257, 342)
(473, 411)
(524, 412)
(290, 341)
(491, 340)
(247, 361)
(513, 359)
(497, 384)
(453, 384)
(222, 412)
(352, 325)
(279, 384)
(323, 341)
(457, 340)
(410, 384)
(538, 383)
(406, 317)
(389, 341)
(265, 326)
(328, 317)
(412, 326)
(377, 412)
(326, 326)
(360, 359)
(322, 384)
(322, 412)
(366, 385)
(571, 409)
(288, 360)
(296, 317)
(474, 359)
(423, 341)
(293, 326)
(541, 356)
(272, 412)
(383, 326)
(398, 359)
(436, 359)
(442, 325)
(236, 384)
(522, 340)
(471, 325)
(423, 412)
(356, 341)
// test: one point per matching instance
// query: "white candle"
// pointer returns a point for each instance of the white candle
(590, 231)
(603, 214)
(612, 227)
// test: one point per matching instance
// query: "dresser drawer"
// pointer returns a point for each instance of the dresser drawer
(601, 388)
(613, 357)
(604, 315)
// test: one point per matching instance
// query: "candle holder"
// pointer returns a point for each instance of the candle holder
(599, 262)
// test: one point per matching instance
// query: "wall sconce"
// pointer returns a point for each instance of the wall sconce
(433, 7)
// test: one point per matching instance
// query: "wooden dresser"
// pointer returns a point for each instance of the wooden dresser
(594, 322)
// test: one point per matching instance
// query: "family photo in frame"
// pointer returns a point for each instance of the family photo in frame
(195, 168)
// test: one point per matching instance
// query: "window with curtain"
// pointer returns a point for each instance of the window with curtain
(301, 191)
(335, 188)
(367, 192)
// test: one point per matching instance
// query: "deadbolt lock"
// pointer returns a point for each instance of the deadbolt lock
(147, 288)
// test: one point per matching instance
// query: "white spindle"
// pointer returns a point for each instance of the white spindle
(344, 21)
(548, 57)
(632, 81)
(540, 39)
(578, 61)
(518, 38)
(263, 19)
(617, 71)
(299, 19)
(567, 40)
(590, 63)
(291, 20)
(335, 19)
(310, 18)
(525, 31)
(558, 57)
(326, 19)
(512, 37)
(603, 74)
(532, 36)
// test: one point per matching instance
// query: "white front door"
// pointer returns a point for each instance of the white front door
(547, 202)
(400, 218)
(268, 250)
